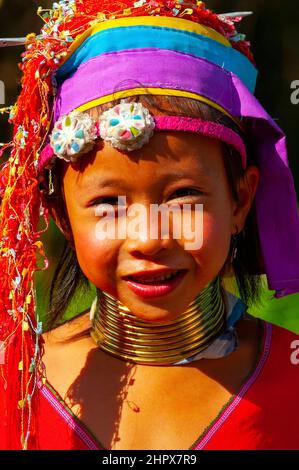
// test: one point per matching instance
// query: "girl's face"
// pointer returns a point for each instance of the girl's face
(173, 168)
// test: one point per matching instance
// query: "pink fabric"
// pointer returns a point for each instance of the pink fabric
(208, 128)
(179, 123)
(45, 157)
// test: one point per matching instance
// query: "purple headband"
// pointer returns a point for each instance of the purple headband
(165, 70)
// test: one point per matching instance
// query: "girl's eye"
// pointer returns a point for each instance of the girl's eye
(185, 192)
(112, 200)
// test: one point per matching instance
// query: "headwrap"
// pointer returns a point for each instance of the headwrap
(91, 52)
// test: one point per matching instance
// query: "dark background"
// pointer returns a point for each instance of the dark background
(273, 30)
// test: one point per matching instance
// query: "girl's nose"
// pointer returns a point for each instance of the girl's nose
(146, 244)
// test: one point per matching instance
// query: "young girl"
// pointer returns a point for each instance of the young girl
(126, 106)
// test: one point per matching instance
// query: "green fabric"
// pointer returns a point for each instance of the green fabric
(283, 312)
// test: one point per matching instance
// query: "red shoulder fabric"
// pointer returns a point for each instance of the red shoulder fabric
(58, 428)
(267, 416)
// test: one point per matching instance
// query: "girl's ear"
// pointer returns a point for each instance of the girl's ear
(247, 187)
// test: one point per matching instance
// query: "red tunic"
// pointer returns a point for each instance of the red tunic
(263, 415)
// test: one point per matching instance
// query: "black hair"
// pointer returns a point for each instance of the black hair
(248, 264)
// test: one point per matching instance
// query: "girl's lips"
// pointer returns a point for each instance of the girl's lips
(156, 289)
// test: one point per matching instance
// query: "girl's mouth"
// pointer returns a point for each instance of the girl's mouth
(155, 286)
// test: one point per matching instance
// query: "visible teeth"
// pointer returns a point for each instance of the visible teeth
(154, 278)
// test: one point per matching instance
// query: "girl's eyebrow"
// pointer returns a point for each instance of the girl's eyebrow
(188, 179)
(178, 175)
(100, 183)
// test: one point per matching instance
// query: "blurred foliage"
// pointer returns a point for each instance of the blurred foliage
(273, 31)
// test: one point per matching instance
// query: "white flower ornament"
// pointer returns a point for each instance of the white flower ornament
(127, 126)
(73, 135)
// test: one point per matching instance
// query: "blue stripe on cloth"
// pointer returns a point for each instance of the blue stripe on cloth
(236, 313)
(142, 37)
(227, 342)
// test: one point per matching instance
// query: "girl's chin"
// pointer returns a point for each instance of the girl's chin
(151, 315)
(160, 309)
(148, 311)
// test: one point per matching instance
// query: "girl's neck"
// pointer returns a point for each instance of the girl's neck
(123, 335)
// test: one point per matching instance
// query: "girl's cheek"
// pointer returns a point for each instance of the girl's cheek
(97, 258)
(211, 245)
(217, 235)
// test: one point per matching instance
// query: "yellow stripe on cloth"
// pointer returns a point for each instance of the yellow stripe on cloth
(158, 21)
(153, 91)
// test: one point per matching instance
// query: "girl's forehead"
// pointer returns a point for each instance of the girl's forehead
(167, 155)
